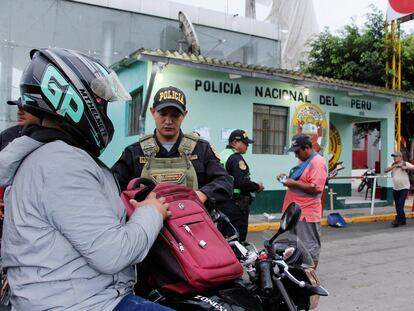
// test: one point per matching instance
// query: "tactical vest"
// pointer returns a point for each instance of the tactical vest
(224, 156)
(172, 170)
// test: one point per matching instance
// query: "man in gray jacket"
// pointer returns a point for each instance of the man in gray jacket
(66, 243)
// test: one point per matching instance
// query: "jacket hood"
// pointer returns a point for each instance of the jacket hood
(33, 137)
(13, 155)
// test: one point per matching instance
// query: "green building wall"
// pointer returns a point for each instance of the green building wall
(219, 109)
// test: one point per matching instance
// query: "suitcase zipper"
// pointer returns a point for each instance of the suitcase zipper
(180, 245)
(201, 243)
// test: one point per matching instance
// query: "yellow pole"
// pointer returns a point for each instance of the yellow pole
(398, 134)
(396, 79)
(387, 62)
(393, 55)
(399, 54)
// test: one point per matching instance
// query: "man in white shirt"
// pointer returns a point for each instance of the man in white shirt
(399, 171)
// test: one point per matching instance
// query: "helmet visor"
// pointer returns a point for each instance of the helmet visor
(110, 88)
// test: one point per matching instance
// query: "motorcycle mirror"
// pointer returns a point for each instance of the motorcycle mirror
(223, 217)
(290, 217)
(288, 220)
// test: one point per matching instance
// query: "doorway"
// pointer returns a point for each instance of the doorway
(366, 153)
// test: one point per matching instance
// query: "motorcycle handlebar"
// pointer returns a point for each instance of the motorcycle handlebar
(265, 277)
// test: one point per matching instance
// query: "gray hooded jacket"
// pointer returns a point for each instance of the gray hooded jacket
(66, 244)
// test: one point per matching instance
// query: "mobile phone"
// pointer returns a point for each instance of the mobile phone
(282, 179)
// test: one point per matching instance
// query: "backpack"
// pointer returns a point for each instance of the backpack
(190, 255)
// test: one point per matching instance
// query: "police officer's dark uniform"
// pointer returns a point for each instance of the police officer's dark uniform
(190, 161)
(244, 189)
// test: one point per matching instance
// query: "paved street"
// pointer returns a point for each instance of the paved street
(365, 266)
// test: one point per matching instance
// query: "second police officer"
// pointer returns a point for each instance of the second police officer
(244, 188)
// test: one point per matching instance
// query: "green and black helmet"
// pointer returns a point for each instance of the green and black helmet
(76, 89)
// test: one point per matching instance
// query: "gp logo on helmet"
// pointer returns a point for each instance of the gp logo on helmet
(57, 90)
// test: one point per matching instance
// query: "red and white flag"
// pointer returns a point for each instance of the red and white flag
(399, 8)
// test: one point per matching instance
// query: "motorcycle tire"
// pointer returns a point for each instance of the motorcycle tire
(362, 185)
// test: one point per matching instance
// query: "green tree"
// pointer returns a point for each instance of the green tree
(354, 54)
(407, 109)
(407, 63)
(358, 55)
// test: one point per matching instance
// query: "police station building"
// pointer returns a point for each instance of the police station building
(270, 104)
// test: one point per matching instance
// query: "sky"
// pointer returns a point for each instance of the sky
(330, 13)
(337, 13)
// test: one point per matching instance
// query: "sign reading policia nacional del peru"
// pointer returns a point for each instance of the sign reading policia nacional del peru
(280, 93)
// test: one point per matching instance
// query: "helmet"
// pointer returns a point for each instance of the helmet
(75, 89)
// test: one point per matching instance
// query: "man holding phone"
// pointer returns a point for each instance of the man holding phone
(305, 184)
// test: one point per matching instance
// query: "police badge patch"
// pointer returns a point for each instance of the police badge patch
(215, 153)
(143, 160)
(242, 165)
(175, 178)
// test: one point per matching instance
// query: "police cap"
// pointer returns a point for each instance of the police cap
(169, 97)
(240, 135)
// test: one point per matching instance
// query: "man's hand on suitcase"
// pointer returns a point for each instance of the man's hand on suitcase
(201, 196)
(152, 200)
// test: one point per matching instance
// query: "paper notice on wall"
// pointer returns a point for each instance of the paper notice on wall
(203, 131)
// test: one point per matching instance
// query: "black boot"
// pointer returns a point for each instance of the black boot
(395, 223)
(399, 221)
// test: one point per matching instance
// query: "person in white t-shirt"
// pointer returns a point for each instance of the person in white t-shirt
(399, 171)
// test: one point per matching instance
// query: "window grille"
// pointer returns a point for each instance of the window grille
(269, 129)
(134, 109)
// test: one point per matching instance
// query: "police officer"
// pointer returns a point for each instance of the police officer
(168, 155)
(244, 189)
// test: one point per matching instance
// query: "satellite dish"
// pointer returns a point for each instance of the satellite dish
(189, 32)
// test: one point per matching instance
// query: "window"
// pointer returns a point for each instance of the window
(269, 129)
(134, 109)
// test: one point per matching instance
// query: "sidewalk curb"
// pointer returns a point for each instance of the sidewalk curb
(257, 227)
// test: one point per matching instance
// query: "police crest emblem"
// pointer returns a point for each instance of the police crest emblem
(242, 165)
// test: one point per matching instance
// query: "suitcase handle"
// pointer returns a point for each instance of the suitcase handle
(149, 186)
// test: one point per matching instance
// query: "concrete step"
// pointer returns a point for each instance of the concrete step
(357, 202)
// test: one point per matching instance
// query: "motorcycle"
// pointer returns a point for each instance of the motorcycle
(277, 278)
(365, 180)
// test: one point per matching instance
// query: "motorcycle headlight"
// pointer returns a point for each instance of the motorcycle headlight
(288, 252)
(291, 248)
